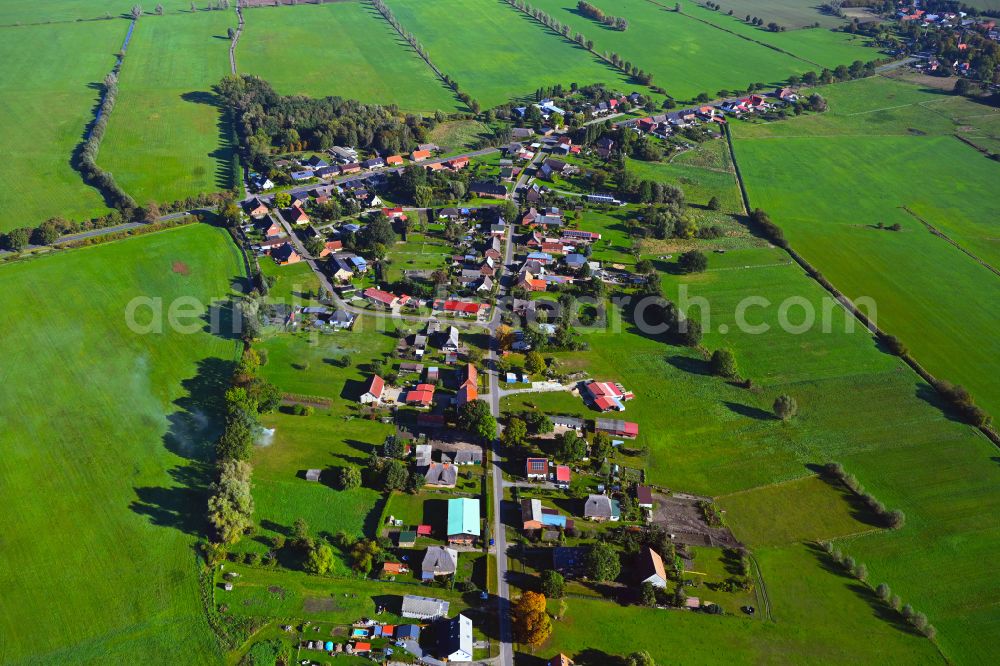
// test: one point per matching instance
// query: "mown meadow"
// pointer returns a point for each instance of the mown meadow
(882, 155)
(496, 53)
(50, 89)
(346, 49)
(167, 138)
(694, 56)
(108, 431)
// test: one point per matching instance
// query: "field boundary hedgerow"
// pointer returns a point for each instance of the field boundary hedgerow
(986, 429)
(84, 158)
(236, 39)
(579, 39)
(412, 40)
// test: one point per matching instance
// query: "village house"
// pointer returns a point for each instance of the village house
(535, 517)
(285, 254)
(488, 189)
(440, 475)
(261, 182)
(344, 155)
(394, 160)
(256, 208)
(394, 568)
(373, 163)
(373, 391)
(394, 213)
(463, 521)
(604, 146)
(427, 608)
(601, 508)
(455, 639)
(296, 215)
(438, 561)
(383, 299)
(536, 469)
(644, 497)
(650, 568)
(329, 247)
(562, 477)
(457, 163)
(420, 155)
(422, 396)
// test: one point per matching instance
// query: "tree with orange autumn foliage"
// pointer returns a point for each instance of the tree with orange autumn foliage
(531, 620)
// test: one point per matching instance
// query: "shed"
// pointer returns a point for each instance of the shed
(313, 474)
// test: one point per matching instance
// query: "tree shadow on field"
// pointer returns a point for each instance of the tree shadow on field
(879, 608)
(695, 366)
(594, 657)
(192, 432)
(749, 411)
(181, 505)
(225, 155)
(195, 427)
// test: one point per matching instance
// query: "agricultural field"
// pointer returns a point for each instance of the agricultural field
(818, 47)
(789, 13)
(496, 53)
(345, 49)
(25, 12)
(806, 509)
(916, 271)
(50, 90)
(167, 139)
(686, 60)
(100, 522)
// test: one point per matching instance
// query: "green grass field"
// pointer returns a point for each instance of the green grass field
(699, 181)
(819, 617)
(345, 49)
(789, 13)
(49, 98)
(291, 283)
(458, 135)
(693, 57)
(806, 509)
(817, 47)
(495, 53)
(909, 273)
(420, 252)
(26, 12)
(107, 432)
(166, 139)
